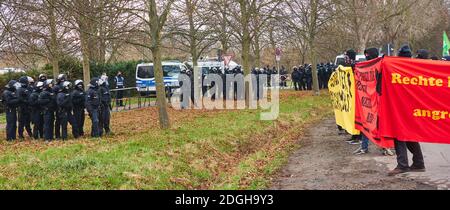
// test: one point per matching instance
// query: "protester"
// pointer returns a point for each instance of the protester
(402, 147)
(371, 53)
(350, 57)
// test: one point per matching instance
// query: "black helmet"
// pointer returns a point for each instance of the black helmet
(11, 84)
(23, 80)
(94, 82)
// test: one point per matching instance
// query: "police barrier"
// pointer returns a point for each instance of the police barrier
(130, 98)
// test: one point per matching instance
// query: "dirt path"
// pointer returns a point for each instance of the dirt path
(326, 162)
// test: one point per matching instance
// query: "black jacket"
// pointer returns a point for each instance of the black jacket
(64, 102)
(296, 76)
(105, 96)
(92, 99)
(10, 99)
(78, 98)
(33, 101)
(23, 94)
(47, 100)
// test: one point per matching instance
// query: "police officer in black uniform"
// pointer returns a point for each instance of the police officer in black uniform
(47, 100)
(93, 106)
(296, 79)
(42, 78)
(105, 107)
(11, 102)
(37, 115)
(24, 112)
(56, 89)
(78, 101)
(302, 78)
(308, 76)
(64, 102)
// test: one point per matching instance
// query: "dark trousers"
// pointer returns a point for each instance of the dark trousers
(49, 119)
(297, 85)
(71, 119)
(11, 124)
(94, 115)
(57, 126)
(309, 85)
(24, 123)
(63, 119)
(119, 99)
(38, 121)
(79, 116)
(401, 149)
(105, 120)
(302, 85)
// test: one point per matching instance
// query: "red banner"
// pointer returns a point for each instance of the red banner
(367, 77)
(415, 100)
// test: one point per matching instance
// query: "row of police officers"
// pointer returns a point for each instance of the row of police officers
(50, 105)
(302, 76)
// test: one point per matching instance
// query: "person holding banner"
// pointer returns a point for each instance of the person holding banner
(402, 147)
(371, 53)
(350, 60)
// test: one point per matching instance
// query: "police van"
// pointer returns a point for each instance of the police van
(145, 76)
(208, 64)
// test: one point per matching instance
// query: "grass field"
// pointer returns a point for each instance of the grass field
(203, 150)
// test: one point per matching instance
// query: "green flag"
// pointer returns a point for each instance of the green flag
(446, 45)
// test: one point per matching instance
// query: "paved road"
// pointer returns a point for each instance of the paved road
(437, 160)
(325, 161)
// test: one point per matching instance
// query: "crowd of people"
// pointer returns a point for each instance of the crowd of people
(43, 109)
(401, 147)
(302, 76)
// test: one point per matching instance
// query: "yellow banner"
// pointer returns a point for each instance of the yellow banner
(342, 92)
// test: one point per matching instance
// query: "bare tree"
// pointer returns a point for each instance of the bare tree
(307, 19)
(153, 16)
(192, 33)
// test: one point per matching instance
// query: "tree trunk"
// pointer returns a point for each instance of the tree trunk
(55, 52)
(315, 76)
(194, 53)
(246, 44)
(257, 53)
(155, 27)
(160, 89)
(85, 52)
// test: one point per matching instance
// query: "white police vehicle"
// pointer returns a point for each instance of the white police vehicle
(340, 59)
(145, 76)
(212, 63)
